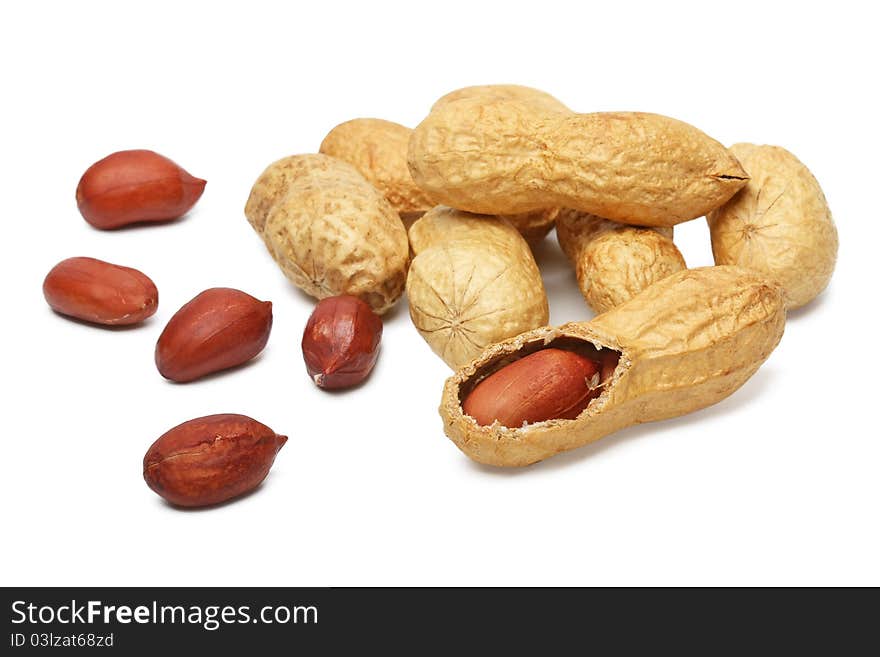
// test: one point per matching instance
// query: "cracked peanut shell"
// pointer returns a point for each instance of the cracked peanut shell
(685, 343)
(614, 262)
(778, 224)
(473, 282)
(496, 156)
(330, 230)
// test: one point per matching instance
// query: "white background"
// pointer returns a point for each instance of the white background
(776, 485)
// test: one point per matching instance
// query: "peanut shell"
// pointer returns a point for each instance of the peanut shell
(377, 149)
(614, 262)
(685, 343)
(506, 157)
(540, 100)
(330, 230)
(472, 283)
(778, 224)
(443, 224)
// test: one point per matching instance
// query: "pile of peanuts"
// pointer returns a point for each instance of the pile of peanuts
(449, 212)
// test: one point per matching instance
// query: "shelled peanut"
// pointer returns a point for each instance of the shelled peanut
(340, 343)
(778, 224)
(100, 292)
(614, 262)
(218, 329)
(686, 342)
(211, 459)
(330, 230)
(473, 282)
(136, 186)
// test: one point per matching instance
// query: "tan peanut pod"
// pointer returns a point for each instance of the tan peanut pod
(506, 157)
(778, 224)
(442, 224)
(331, 231)
(541, 100)
(472, 283)
(533, 225)
(684, 343)
(272, 184)
(377, 149)
(614, 262)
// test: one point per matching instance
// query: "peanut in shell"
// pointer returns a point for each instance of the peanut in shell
(472, 282)
(778, 224)
(377, 148)
(685, 343)
(330, 231)
(497, 156)
(614, 262)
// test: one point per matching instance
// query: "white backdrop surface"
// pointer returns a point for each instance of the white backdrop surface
(776, 485)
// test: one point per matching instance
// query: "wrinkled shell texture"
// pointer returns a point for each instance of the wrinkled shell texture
(614, 262)
(534, 226)
(273, 183)
(505, 157)
(331, 231)
(778, 224)
(443, 224)
(377, 149)
(540, 100)
(474, 290)
(686, 342)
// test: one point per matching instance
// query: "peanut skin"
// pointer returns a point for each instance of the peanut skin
(211, 459)
(134, 187)
(220, 328)
(340, 343)
(548, 384)
(100, 292)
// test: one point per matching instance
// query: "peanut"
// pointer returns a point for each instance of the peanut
(100, 292)
(533, 225)
(133, 187)
(546, 385)
(505, 156)
(340, 343)
(778, 224)
(218, 329)
(682, 344)
(473, 282)
(330, 231)
(211, 459)
(614, 262)
(377, 149)
(540, 100)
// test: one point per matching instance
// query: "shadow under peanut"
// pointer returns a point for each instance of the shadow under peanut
(112, 328)
(199, 509)
(219, 373)
(749, 394)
